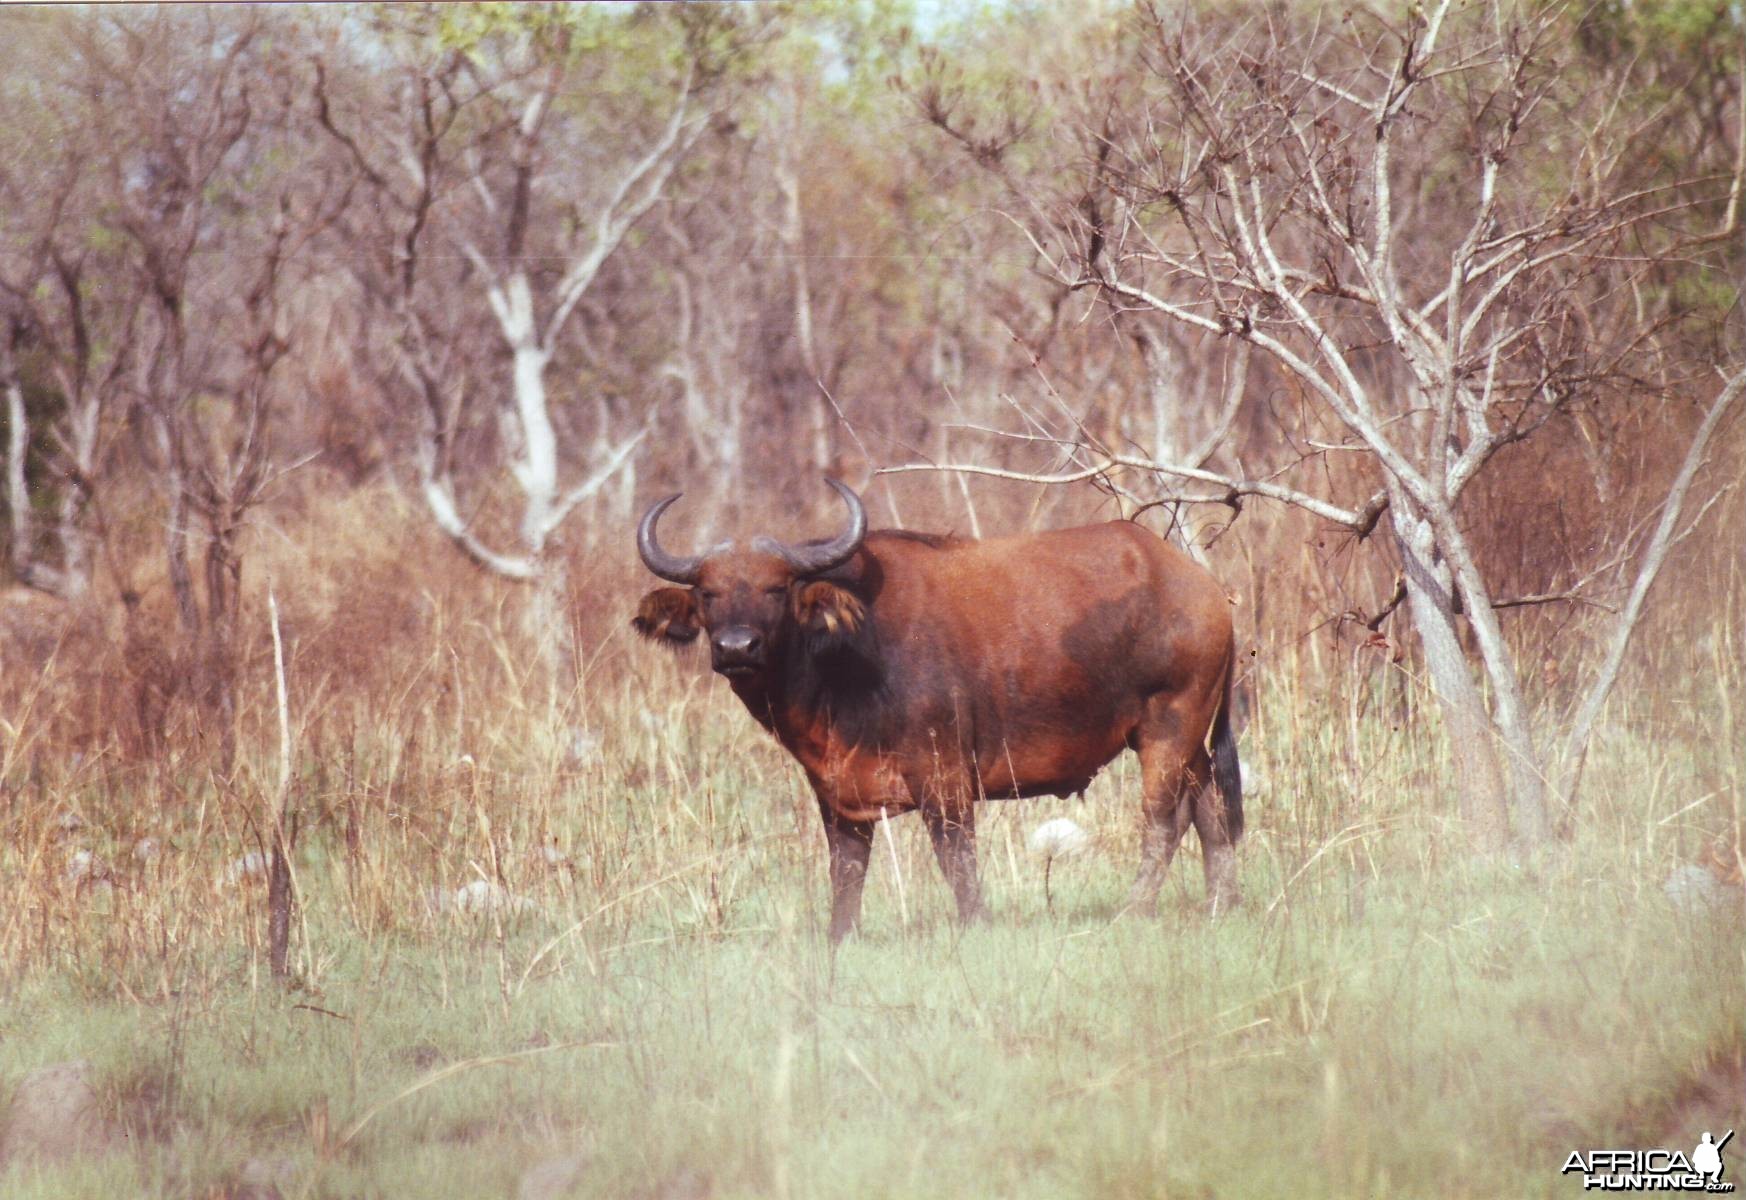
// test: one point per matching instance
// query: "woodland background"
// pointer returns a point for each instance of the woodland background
(372, 279)
(368, 332)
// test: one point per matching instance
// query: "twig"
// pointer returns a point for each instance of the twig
(896, 867)
(1654, 554)
(1361, 520)
(279, 868)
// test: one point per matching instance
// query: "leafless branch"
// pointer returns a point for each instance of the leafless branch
(1649, 569)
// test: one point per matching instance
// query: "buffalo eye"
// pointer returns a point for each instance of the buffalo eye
(776, 591)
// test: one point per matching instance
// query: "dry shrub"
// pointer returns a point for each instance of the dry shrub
(67, 684)
(392, 635)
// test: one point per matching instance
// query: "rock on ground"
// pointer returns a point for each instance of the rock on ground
(263, 1179)
(54, 1115)
(1694, 889)
(552, 1179)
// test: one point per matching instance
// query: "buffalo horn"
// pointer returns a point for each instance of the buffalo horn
(670, 567)
(815, 560)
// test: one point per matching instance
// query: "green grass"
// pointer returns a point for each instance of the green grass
(1386, 1016)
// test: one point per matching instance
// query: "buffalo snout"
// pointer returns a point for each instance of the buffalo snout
(736, 650)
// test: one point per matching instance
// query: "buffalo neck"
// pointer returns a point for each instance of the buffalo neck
(802, 696)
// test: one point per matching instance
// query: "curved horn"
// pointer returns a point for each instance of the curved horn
(815, 560)
(670, 567)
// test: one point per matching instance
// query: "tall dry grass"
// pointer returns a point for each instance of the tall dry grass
(536, 914)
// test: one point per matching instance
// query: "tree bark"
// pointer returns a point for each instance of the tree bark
(176, 535)
(69, 581)
(793, 235)
(223, 594)
(1508, 713)
(1482, 798)
(23, 532)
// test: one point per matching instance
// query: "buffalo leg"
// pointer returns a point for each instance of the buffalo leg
(851, 844)
(1217, 848)
(1174, 767)
(954, 837)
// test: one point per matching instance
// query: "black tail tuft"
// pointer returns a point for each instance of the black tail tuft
(1227, 771)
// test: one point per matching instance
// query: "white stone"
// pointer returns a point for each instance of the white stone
(54, 1115)
(488, 897)
(552, 1178)
(1695, 889)
(83, 866)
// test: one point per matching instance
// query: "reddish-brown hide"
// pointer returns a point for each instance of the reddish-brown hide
(909, 672)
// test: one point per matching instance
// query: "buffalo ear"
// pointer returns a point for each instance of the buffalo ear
(669, 615)
(830, 616)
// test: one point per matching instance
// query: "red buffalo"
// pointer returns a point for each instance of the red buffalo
(907, 671)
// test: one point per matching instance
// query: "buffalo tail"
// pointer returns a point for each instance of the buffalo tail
(1227, 772)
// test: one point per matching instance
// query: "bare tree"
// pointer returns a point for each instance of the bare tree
(1358, 202)
(790, 142)
(180, 103)
(81, 328)
(714, 301)
(504, 190)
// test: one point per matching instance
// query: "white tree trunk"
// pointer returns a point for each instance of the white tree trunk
(72, 579)
(23, 532)
(1482, 799)
(792, 231)
(1509, 719)
(536, 472)
(72, 532)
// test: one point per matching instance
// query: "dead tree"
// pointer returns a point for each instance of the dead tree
(1358, 203)
(180, 102)
(502, 192)
(82, 334)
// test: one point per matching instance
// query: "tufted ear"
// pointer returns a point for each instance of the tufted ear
(830, 616)
(668, 615)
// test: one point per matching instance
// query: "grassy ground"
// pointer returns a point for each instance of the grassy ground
(1386, 1015)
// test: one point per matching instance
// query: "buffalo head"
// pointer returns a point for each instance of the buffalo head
(749, 599)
